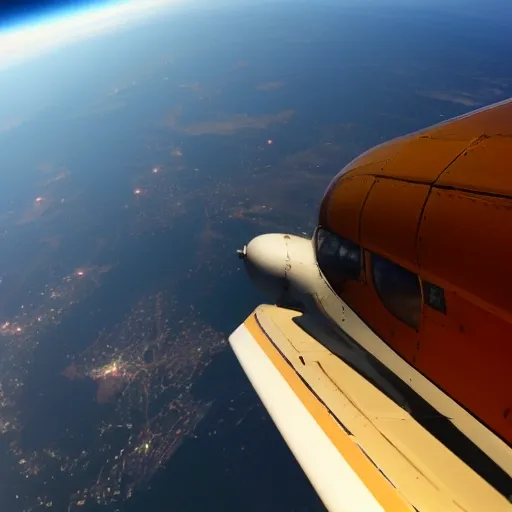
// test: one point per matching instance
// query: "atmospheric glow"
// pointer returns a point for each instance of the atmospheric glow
(30, 40)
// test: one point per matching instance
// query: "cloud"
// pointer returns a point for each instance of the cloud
(10, 123)
(462, 98)
(102, 108)
(270, 86)
(230, 125)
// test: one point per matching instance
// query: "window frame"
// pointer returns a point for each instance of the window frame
(385, 304)
(361, 278)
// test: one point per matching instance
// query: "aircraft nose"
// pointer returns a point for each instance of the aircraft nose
(265, 259)
(282, 266)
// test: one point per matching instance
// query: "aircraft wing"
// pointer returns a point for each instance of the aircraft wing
(361, 451)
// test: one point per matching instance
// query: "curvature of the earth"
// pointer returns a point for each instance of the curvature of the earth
(134, 163)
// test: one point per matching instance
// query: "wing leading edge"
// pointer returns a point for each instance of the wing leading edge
(318, 442)
(360, 450)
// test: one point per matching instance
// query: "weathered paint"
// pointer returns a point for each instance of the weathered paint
(439, 202)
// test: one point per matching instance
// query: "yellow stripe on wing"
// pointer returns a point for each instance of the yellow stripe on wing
(377, 484)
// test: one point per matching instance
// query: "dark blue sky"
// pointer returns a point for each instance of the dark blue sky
(18, 10)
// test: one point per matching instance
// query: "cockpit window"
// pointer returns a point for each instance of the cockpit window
(339, 259)
(399, 290)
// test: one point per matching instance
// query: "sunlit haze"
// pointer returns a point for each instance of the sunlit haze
(32, 39)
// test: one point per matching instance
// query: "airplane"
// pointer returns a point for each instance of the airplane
(384, 355)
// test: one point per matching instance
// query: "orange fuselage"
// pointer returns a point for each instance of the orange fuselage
(439, 204)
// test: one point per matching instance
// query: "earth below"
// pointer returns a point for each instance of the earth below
(134, 164)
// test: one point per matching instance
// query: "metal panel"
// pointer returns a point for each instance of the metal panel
(389, 222)
(465, 245)
(424, 159)
(343, 207)
(484, 167)
(492, 120)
